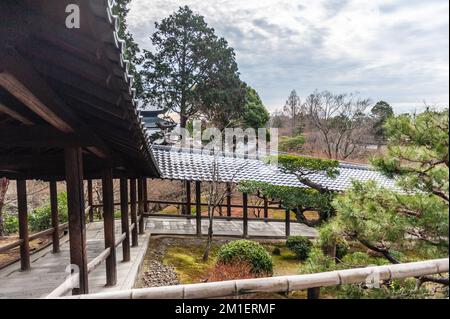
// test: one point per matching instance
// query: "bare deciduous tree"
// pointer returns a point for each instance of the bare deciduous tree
(340, 119)
(4, 182)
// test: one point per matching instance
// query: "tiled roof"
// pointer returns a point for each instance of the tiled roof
(192, 165)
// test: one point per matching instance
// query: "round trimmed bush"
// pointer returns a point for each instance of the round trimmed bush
(247, 251)
(300, 246)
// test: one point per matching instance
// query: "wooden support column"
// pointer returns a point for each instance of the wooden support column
(228, 200)
(133, 212)
(109, 227)
(188, 199)
(90, 201)
(77, 218)
(141, 205)
(23, 225)
(245, 214)
(145, 190)
(314, 293)
(55, 217)
(266, 209)
(124, 218)
(198, 207)
(288, 223)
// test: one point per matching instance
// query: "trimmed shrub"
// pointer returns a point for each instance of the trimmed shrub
(342, 249)
(300, 246)
(246, 251)
(40, 218)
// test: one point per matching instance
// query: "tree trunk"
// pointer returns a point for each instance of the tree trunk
(210, 234)
(183, 120)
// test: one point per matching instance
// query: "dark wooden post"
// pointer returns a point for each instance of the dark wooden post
(90, 201)
(266, 209)
(245, 214)
(124, 218)
(133, 212)
(55, 217)
(108, 217)
(145, 190)
(188, 199)
(23, 225)
(313, 293)
(198, 207)
(228, 200)
(141, 205)
(77, 218)
(288, 223)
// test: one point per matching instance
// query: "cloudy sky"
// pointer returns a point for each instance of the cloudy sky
(395, 50)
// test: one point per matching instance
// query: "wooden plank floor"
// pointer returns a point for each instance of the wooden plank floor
(48, 270)
(223, 227)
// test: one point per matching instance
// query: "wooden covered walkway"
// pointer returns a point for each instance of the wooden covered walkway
(48, 270)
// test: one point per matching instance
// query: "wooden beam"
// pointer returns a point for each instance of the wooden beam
(77, 220)
(198, 207)
(313, 293)
(109, 226)
(55, 217)
(266, 208)
(26, 85)
(134, 232)
(229, 199)
(23, 225)
(15, 115)
(124, 218)
(245, 214)
(145, 190)
(188, 198)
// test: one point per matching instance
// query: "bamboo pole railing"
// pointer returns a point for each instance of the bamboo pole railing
(283, 284)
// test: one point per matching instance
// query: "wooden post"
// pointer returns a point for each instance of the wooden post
(288, 223)
(90, 201)
(245, 214)
(134, 232)
(108, 216)
(144, 189)
(124, 218)
(55, 217)
(228, 200)
(141, 205)
(198, 207)
(188, 199)
(314, 293)
(266, 209)
(23, 225)
(77, 218)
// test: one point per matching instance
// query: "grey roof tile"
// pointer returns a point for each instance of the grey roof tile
(185, 164)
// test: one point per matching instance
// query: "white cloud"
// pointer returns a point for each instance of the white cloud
(397, 51)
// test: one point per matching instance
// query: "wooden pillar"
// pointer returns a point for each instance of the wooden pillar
(109, 226)
(266, 209)
(90, 201)
(141, 205)
(229, 200)
(145, 190)
(245, 214)
(198, 207)
(188, 199)
(288, 223)
(23, 225)
(124, 218)
(77, 218)
(55, 217)
(314, 293)
(133, 212)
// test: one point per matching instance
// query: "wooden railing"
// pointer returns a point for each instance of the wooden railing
(284, 284)
(73, 279)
